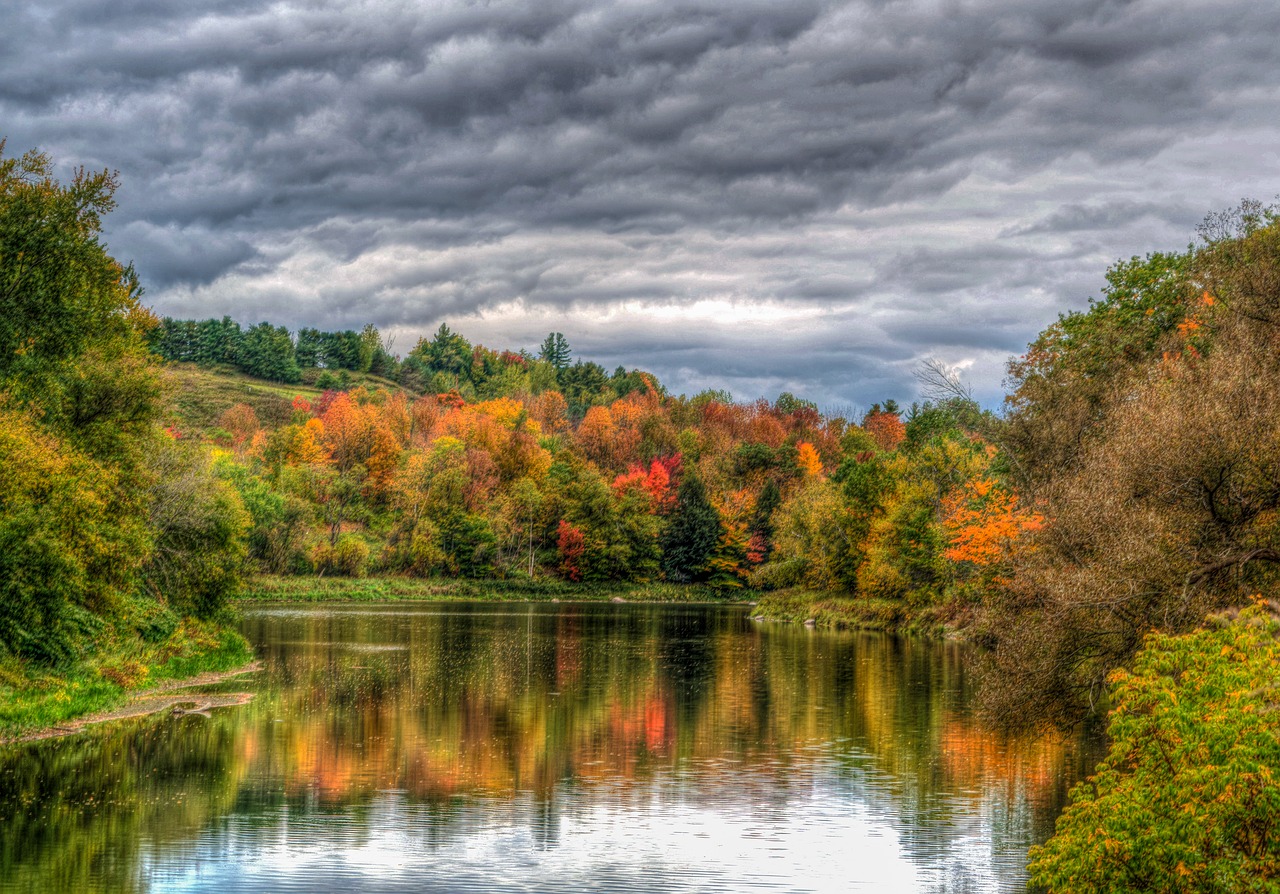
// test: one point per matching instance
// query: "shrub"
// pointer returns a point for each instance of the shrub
(1187, 799)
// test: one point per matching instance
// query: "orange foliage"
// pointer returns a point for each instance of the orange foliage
(764, 426)
(807, 459)
(551, 411)
(595, 436)
(886, 429)
(985, 521)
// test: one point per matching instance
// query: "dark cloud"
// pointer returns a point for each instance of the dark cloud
(807, 196)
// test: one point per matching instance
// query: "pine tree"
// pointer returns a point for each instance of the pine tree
(692, 532)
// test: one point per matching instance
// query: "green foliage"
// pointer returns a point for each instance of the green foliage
(555, 350)
(693, 529)
(348, 557)
(198, 524)
(69, 545)
(97, 506)
(584, 385)
(1084, 361)
(267, 353)
(277, 521)
(1187, 799)
(61, 292)
(789, 403)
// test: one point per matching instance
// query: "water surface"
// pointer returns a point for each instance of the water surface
(551, 747)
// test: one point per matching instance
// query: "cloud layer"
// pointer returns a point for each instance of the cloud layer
(808, 196)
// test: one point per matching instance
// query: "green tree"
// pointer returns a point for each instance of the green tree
(61, 292)
(555, 350)
(267, 353)
(693, 529)
(198, 524)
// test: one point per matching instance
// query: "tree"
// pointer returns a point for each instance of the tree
(1168, 507)
(693, 529)
(199, 525)
(555, 350)
(70, 544)
(1085, 362)
(61, 292)
(447, 352)
(267, 353)
(370, 345)
(1186, 799)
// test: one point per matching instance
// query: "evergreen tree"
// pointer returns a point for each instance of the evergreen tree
(268, 354)
(692, 532)
(309, 351)
(555, 350)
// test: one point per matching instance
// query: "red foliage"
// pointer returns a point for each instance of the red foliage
(325, 402)
(301, 404)
(656, 481)
(886, 429)
(572, 546)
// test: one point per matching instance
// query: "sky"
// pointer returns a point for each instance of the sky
(750, 195)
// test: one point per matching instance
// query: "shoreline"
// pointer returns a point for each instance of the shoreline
(152, 700)
(145, 702)
(273, 588)
(811, 608)
(798, 605)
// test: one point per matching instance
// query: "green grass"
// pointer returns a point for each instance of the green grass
(202, 394)
(840, 612)
(390, 589)
(34, 698)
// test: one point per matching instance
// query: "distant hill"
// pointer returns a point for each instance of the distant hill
(201, 394)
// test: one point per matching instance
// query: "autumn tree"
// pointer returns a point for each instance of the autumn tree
(82, 455)
(1168, 509)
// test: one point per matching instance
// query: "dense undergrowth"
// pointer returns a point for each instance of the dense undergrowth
(35, 697)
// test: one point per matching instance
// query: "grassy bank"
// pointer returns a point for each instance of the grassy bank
(389, 589)
(838, 612)
(34, 698)
(793, 605)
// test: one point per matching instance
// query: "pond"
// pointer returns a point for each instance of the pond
(490, 747)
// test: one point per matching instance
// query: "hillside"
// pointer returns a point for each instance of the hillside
(202, 394)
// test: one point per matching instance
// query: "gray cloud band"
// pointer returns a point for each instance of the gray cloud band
(832, 190)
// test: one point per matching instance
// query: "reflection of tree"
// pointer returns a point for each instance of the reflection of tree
(530, 709)
(76, 810)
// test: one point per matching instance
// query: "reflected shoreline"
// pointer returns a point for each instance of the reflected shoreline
(560, 726)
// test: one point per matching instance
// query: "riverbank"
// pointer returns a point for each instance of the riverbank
(267, 588)
(836, 612)
(34, 699)
(797, 605)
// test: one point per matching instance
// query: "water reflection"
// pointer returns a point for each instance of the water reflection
(546, 748)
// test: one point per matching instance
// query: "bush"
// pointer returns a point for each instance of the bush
(348, 558)
(1187, 799)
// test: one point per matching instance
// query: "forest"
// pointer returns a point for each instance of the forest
(1127, 491)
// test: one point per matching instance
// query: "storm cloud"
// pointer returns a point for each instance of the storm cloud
(757, 196)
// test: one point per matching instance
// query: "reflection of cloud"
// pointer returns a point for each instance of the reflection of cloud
(943, 184)
(821, 843)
